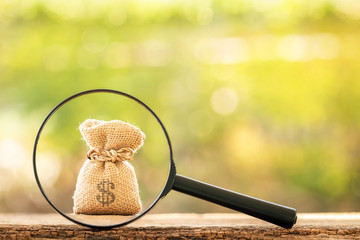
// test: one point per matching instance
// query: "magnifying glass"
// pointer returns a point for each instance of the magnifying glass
(59, 153)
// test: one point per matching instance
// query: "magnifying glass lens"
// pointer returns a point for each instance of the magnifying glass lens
(97, 174)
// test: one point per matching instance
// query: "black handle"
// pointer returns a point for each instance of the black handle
(270, 212)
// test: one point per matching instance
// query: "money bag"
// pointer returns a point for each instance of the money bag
(107, 182)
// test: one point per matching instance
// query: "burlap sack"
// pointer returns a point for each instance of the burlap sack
(107, 182)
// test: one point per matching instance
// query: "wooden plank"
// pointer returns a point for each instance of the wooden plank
(190, 226)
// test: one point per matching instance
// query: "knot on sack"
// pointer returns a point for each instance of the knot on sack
(123, 154)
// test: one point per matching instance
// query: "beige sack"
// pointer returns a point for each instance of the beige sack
(107, 182)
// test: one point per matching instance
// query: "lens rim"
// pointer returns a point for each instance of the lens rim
(172, 169)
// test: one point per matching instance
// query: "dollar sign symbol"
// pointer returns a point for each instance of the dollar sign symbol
(106, 197)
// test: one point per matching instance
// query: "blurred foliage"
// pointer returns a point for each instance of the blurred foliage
(261, 97)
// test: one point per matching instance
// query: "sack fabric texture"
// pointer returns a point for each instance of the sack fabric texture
(107, 182)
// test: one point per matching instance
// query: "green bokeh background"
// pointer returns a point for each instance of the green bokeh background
(260, 97)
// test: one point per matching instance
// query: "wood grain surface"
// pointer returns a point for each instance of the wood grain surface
(184, 226)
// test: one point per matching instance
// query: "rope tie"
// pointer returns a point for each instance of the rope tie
(123, 154)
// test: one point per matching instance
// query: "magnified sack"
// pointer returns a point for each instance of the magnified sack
(107, 182)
